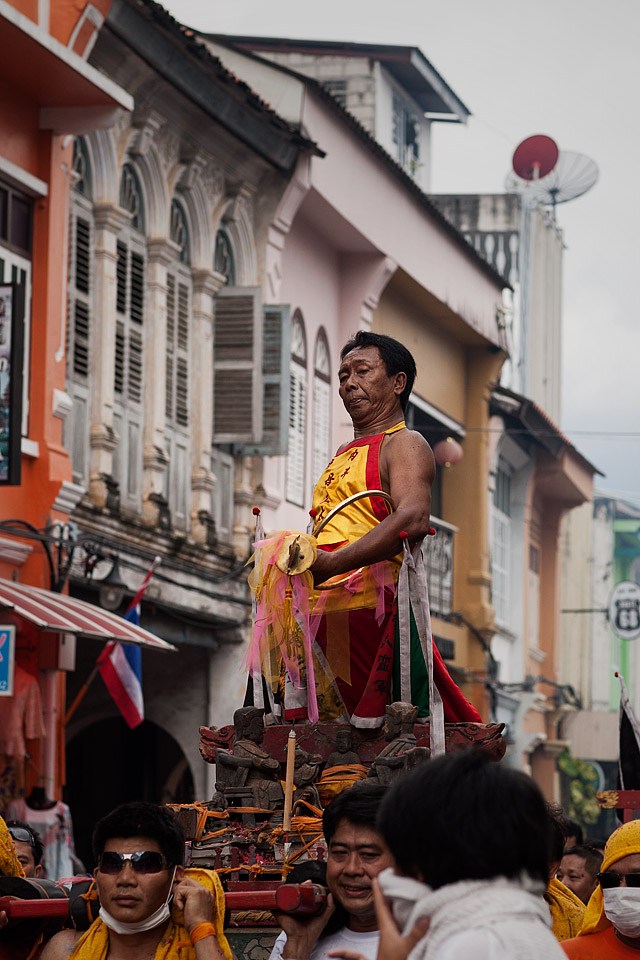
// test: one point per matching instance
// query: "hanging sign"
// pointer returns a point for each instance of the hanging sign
(11, 342)
(624, 610)
(7, 657)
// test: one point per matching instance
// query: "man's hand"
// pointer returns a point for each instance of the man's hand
(393, 946)
(4, 920)
(195, 900)
(302, 935)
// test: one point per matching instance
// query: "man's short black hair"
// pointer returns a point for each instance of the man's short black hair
(142, 819)
(36, 840)
(574, 830)
(464, 817)
(395, 357)
(591, 855)
(561, 829)
(359, 804)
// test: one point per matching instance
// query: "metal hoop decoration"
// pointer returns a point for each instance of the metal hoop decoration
(330, 584)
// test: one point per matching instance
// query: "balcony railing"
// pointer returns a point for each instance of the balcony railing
(438, 561)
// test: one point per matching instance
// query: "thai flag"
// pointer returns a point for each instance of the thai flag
(120, 665)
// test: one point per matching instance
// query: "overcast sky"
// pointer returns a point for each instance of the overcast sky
(567, 68)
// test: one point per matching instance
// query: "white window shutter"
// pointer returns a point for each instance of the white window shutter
(237, 366)
(276, 355)
(297, 434)
(129, 371)
(321, 426)
(75, 431)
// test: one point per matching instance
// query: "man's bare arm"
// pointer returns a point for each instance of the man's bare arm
(407, 469)
(60, 947)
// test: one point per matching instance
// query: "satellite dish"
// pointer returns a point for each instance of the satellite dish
(535, 157)
(573, 175)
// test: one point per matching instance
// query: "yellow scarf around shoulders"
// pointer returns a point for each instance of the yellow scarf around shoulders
(567, 910)
(175, 943)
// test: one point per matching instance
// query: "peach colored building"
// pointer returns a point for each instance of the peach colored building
(48, 93)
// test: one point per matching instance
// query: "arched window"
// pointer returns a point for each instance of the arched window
(82, 180)
(131, 197)
(223, 259)
(321, 405)
(129, 356)
(178, 370)
(297, 412)
(179, 231)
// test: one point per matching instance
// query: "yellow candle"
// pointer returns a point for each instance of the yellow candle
(288, 784)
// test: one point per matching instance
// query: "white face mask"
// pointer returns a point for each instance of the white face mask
(161, 915)
(622, 908)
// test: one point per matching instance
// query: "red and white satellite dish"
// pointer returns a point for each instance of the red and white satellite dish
(535, 157)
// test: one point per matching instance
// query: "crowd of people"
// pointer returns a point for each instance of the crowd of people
(460, 859)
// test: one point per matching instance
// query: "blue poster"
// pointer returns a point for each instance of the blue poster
(7, 652)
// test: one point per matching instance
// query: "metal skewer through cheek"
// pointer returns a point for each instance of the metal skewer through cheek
(330, 584)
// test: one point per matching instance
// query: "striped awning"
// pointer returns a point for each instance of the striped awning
(63, 614)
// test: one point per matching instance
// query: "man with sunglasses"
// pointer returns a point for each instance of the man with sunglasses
(149, 909)
(29, 847)
(611, 927)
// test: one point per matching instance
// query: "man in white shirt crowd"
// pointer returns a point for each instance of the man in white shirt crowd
(356, 854)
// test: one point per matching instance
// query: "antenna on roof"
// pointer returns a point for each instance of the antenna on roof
(544, 174)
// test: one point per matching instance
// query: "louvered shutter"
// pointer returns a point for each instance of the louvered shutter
(129, 371)
(79, 316)
(276, 355)
(177, 398)
(297, 433)
(171, 335)
(237, 366)
(321, 425)
(81, 290)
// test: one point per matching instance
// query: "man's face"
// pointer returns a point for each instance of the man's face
(368, 393)
(129, 896)
(574, 874)
(356, 855)
(24, 852)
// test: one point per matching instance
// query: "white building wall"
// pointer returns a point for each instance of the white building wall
(543, 364)
(603, 654)
(577, 562)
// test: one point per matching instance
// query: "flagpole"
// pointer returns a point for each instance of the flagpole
(82, 692)
(80, 695)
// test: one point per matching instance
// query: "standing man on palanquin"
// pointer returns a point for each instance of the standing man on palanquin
(355, 625)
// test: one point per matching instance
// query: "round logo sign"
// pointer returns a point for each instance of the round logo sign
(624, 610)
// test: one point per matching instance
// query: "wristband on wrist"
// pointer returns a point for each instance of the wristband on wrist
(200, 931)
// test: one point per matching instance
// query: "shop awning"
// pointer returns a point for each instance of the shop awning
(62, 614)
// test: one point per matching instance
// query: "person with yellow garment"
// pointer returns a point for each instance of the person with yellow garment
(567, 910)
(354, 623)
(150, 907)
(611, 925)
(10, 866)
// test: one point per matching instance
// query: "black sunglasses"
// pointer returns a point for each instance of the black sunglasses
(610, 879)
(143, 861)
(22, 835)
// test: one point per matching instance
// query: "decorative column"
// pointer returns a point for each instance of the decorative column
(160, 253)
(109, 221)
(206, 284)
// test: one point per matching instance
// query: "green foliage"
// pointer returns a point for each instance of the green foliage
(581, 781)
